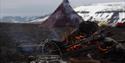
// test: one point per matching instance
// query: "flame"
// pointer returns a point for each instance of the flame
(79, 37)
(103, 50)
(74, 47)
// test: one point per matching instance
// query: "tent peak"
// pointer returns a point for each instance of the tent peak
(66, 1)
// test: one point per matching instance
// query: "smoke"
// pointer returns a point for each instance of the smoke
(54, 35)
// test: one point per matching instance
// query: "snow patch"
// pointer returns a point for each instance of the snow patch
(40, 20)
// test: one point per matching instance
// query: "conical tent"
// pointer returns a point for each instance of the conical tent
(63, 16)
(63, 20)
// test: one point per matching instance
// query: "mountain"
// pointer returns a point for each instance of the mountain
(39, 20)
(86, 12)
(17, 19)
(113, 6)
(101, 11)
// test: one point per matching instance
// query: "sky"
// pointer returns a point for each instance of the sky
(39, 7)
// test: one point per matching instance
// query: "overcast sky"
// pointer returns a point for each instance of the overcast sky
(38, 7)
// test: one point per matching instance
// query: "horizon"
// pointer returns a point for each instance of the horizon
(39, 7)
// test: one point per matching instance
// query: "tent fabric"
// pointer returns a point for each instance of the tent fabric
(63, 16)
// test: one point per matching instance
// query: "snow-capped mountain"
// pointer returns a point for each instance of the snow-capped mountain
(99, 11)
(17, 19)
(114, 6)
(102, 11)
(39, 20)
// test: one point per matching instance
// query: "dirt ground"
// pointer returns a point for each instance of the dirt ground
(118, 33)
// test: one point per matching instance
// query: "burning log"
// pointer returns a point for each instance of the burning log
(83, 42)
(97, 43)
